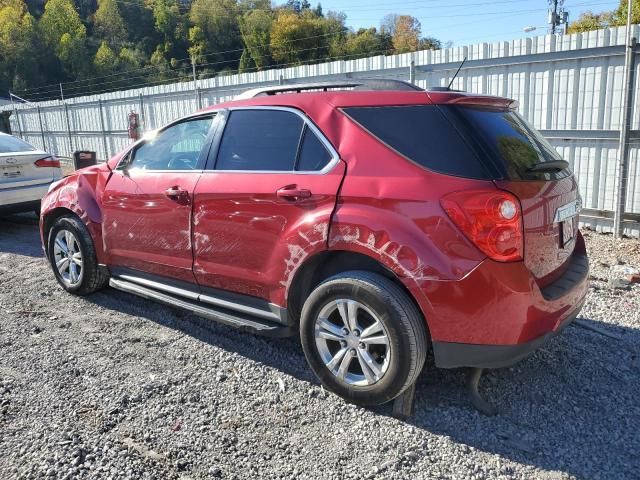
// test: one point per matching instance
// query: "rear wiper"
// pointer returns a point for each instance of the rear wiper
(552, 166)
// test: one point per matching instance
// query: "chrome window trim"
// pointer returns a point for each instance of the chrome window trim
(335, 157)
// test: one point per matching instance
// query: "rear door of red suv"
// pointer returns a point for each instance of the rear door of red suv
(264, 200)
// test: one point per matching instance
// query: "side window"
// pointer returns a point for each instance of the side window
(175, 148)
(260, 140)
(313, 154)
(422, 134)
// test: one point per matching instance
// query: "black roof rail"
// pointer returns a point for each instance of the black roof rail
(356, 84)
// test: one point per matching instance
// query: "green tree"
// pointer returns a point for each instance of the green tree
(366, 42)
(60, 17)
(109, 24)
(216, 29)
(619, 15)
(255, 28)
(298, 38)
(19, 51)
(105, 61)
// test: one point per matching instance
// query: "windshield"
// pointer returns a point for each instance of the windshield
(9, 144)
(512, 144)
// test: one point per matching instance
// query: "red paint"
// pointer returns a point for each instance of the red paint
(251, 232)
(146, 226)
(250, 239)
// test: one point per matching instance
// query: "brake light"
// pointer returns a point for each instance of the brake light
(51, 162)
(492, 220)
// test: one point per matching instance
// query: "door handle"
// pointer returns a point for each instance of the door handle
(178, 194)
(293, 193)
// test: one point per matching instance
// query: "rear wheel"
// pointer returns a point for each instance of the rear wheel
(363, 337)
(73, 257)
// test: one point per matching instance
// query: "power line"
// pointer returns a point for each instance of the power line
(44, 89)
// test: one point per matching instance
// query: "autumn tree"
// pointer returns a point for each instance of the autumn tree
(590, 21)
(406, 35)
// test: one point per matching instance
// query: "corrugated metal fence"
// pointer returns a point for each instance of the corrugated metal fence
(570, 87)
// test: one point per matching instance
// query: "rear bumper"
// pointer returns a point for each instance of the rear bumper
(20, 207)
(498, 314)
(17, 199)
(454, 355)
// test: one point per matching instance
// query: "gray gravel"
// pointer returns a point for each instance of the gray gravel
(112, 386)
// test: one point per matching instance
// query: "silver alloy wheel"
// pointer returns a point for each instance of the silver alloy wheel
(352, 342)
(68, 257)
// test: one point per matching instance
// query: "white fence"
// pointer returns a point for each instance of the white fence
(570, 87)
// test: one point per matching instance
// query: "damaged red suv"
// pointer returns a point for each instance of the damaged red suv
(374, 219)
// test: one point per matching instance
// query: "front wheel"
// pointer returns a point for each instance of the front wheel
(363, 337)
(72, 256)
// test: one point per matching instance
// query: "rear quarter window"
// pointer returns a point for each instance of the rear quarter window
(422, 134)
(508, 141)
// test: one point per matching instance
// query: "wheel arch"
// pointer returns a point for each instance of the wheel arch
(328, 263)
(48, 220)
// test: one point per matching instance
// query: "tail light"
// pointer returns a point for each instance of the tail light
(492, 220)
(51, 162)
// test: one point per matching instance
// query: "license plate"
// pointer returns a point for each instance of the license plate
(567, 231)
(10, 172)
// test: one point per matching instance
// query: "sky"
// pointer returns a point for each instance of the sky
(464, 21)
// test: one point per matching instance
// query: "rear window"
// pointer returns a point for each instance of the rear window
(508, 141)
(9, 144)
(422, 134)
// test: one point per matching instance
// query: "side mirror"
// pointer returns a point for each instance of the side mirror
(125, 162)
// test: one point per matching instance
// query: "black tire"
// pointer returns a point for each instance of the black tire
(404, 324)
(92, 277)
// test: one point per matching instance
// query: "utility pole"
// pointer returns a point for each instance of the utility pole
(193, 68)
(61, 93)
(558, 17)
(195, 82)
(625, 127)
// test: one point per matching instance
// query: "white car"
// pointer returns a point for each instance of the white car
(25, 175)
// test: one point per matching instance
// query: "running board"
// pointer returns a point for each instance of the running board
(232, 319)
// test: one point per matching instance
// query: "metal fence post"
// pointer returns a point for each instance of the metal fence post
(44, 143)
(412, 72)
(66, 114)
(105, 145)
(625, 127)
(141, 107)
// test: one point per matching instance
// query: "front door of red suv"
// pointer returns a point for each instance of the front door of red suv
(264, 202)
(148, 200)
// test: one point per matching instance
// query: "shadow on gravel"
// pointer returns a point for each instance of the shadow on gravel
(19, 235)
(572, 407)
(284, 354)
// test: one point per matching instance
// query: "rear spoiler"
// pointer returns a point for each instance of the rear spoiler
(498, 103)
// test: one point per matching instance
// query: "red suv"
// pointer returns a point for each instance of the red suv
(376, 219)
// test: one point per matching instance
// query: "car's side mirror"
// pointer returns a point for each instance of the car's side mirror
(125, 162)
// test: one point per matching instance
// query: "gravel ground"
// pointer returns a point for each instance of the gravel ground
(112, 386)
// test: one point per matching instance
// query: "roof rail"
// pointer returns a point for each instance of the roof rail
(356, 84)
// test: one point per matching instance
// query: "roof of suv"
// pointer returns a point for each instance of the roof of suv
(353, 98)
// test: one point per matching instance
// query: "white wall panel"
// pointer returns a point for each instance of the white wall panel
(571, 84)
